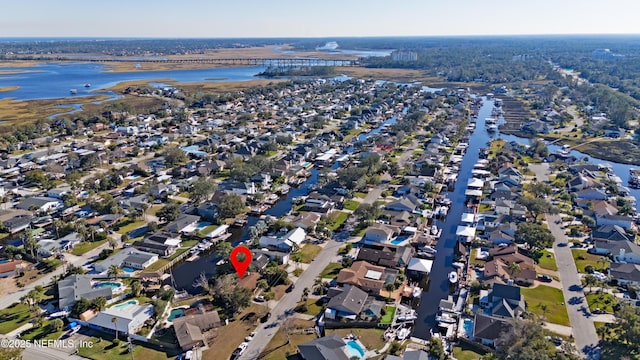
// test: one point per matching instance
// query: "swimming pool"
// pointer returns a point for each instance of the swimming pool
(128, 269)
(202, 225)
(354, 349)
(111, 284)
(125, 304)
(175, 313)
(399, 240)
(467, 327)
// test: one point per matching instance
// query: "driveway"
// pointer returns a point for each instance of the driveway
(289, 301)
(584, 332)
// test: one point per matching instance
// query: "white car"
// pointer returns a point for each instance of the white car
(241, 348)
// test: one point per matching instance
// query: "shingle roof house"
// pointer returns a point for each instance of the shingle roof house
(330, 347)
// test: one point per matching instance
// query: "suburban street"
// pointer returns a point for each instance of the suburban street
(584, 332)
(289, 301)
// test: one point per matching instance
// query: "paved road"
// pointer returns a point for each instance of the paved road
(374, 194)
(46, 353)
(290, 300)
(584, 332)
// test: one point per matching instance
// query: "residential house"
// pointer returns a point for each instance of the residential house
(190, 329)
(610, 233)
(208, 211)
(155, 248)
(74, 287)
(624, 222)
(386, 255)
(625, 274)
(10, 268)
(48, 247)
(352, 303)
(409, 203)
(307, 221)
(330, 347)
(506, 301)
(184, 223)
(368, 277)
(59, 192)
(287, 243)
(378, 234)
(488, 329)
(17, 223)
(319, 203)
(127, 257)
(239, 188)
(590, 195)
(622, 251)
(128, 319)
(40, 204)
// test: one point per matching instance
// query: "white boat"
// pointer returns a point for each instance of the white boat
(434, 230)
(417, 292)
(87, 85)
(445, 318)
(408, 316)
(458, 265)
(492, 128)
(73, 91)
(429, 249)
(489, 120)
(403, 333)
(453, 277)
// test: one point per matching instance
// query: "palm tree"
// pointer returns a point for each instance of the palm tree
(30, 243)
(513, 269)
(590, 280)
(544, 309)
(297, 258)
(604, 261)
(58, 224)
(136, 288)
(114, 271)
(389, 287)
(113, 243)
(115, 321)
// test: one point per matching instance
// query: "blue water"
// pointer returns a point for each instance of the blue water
(49, 81)
(111, 284)
(467, 326)
(175, 313)
(399, 240)
(126, 304)
(354, 349)
(128, 269)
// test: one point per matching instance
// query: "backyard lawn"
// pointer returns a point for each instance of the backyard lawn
(107, 350)
(131, 226)
(387, 318)
(548, 261)
(45, 332)
(463, 353)
(582, 258)
(350, 204)
(555, 312)
(86, 246)
(331, 271)
(13, 317)
(314, 307)
(309, 252)
(361, 195)
(370, 338)
(336, 219)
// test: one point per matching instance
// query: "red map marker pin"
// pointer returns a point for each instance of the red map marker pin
(241, 266)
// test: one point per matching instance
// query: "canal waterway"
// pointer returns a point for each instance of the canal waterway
(438, 278)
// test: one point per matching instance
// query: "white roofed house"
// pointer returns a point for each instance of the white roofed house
(127, 258)
(40, 204)
(378, 234)
(128, 319)
(288, 243)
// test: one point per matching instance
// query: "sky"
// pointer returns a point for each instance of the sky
(320, 18)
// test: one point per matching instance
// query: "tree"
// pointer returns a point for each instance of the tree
(536, 206)
(590, 280)
(223, 249)
(169, 212)
(174, 156)
(113, 242)
(389, 287)
(11, 353)
(513, 268)
(57, 225)
(626, 328)
(114, 320)
(114, 271)
(525, 340)
(99, 303)
(231, 205)
(262, 284)
(57, 324)
(30, 243)
(202, 189)
(367, 212)
(539, 189)
(436, 349)
(536, 236)
(136, 288)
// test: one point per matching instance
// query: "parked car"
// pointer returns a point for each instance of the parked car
(241, 348)
(290, 288)
(545, 278)
(265, 318)
(259, 298)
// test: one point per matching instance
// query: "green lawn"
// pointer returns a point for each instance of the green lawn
(309, 252)
(331, 271)
(279, 349)
(107, 350)
(132, 226)
(582, 258)
(13, 317)
(313, 307)
(370, 338)
(45, 332)
(603, 301)
(350, 204)
(157, 265)
(556, 311)
(388, 316)
(336, 219)
(208, 229)
(86, 246)
(548, 261)
(359, 194)
(463, 353)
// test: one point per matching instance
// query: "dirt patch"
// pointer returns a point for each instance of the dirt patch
(8, 286)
